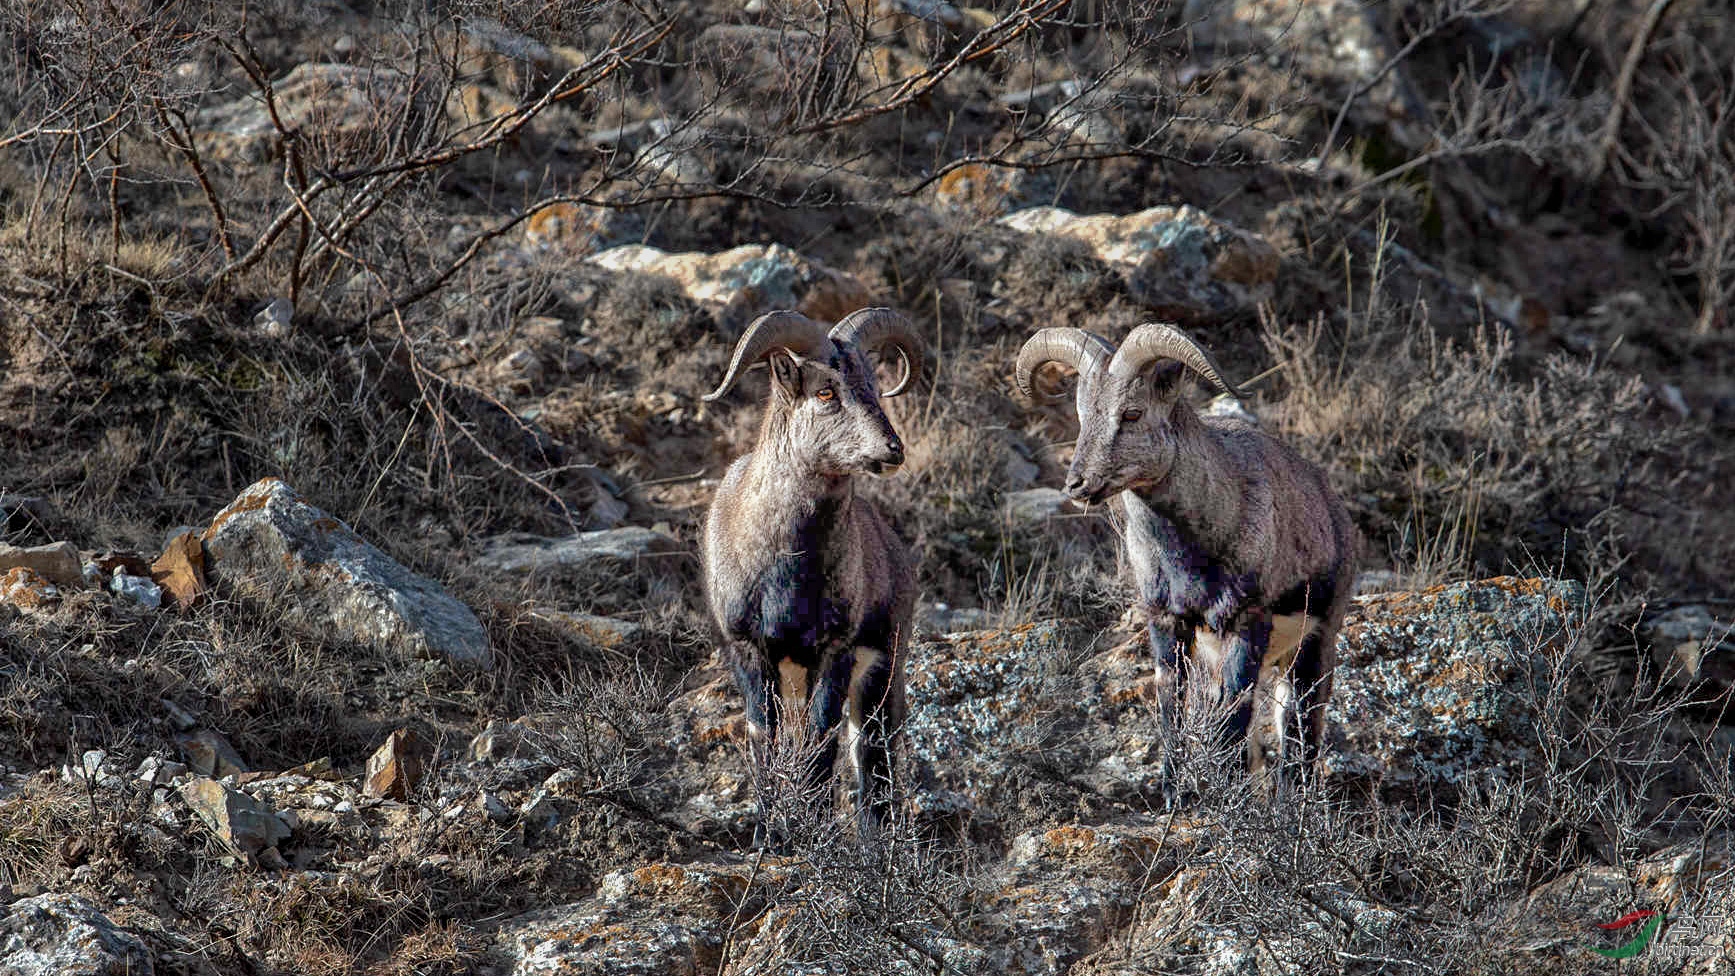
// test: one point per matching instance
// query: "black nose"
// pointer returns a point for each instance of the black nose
(1075, 487)
(894, 452)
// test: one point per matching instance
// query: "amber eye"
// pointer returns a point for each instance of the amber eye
(1132, 415)
(826, 394)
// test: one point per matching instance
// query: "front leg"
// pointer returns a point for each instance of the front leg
(1171, 640)
(1233, 657)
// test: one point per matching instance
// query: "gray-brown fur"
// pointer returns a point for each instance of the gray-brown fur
(812, 590)
(1230, 533)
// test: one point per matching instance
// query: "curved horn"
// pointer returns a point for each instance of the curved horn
(1074, 347)
(869, 329)
(1153, 341)
(774, 330)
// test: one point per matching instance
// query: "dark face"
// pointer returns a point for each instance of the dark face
(1125, 436)
(835, 412)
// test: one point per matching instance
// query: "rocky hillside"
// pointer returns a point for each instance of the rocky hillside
(352, 459)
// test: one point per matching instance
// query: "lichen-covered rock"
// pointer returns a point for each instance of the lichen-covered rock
(323, 578)
(26, 589)
(1440, 684)
(1177, 261)
(65, 935)
(981, 702)
(744, 282)
(657, 920)
(1070, 888)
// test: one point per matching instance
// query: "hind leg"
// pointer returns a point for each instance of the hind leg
(1314, 662)
(873, 725)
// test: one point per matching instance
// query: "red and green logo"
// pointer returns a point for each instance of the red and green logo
(1653, 921)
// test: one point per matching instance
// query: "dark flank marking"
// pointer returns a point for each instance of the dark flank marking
(1313, 597)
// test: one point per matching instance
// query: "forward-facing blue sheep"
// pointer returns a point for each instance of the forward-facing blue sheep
(1241, 553)
(812, 590)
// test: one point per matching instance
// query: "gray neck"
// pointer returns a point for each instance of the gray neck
(1202, 492)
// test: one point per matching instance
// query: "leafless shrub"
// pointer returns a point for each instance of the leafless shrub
(1477, 468)
(1683, 159)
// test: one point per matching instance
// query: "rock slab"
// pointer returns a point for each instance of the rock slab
(272, 545)
(245, 824)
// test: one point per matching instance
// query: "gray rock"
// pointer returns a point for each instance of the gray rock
(658, 920)
(247, 825)
(65, 935)
(1440, 684)
(625, 548)
(137, 589)
(272, 545)
(1177, 261)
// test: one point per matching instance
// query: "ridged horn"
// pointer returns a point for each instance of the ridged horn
(1154, 340)
(775, 330)
(1072, 347)
(869, 329)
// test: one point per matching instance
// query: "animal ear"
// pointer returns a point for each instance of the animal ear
(1164, 377)
(785, 375)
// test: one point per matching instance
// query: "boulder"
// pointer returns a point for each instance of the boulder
(58, 563)
(744, 282)
(322, 578)
(982, 702)
(1179, 262)
(65, 935)
(1441, 684)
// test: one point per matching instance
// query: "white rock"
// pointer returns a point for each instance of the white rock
(273, 320)
(139, 589)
